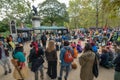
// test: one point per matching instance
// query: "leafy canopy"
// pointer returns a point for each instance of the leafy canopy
(53, 12)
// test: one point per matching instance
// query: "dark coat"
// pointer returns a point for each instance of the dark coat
(51, 56)
(35, 59)
(117, 63)
(6, 53)
(104, 59)
(33, 55)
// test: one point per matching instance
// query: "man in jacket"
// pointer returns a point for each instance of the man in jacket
(44, 40)
(4, 61)
(63, 63)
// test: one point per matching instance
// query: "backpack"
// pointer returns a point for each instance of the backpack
(68, 58)
(75, 53)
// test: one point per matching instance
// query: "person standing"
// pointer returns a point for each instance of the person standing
(11, 43)
(65, 64)
(20, 39)
(51, 55)
(117, 66)
(35, 53)
(86, 61)
(20, 70)
(34, 37)
(44, 40)
(4, 58)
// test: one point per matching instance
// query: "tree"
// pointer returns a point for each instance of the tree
(4, 25)
(19, 10)
(53, 12)
(111, 12)
(74, 9)
(81, 13)
(92, 13)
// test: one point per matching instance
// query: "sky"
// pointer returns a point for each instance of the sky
(36, 2)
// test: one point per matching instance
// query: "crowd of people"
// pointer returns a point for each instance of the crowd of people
(101, 46)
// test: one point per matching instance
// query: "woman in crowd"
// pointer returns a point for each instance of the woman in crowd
(11, 43)
(86, 61)
(20, 71)
(51, 55)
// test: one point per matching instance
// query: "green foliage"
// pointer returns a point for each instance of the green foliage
(80, 13)
(18, 10)
(53, 12)
(111, 11)
(5, 34)
(29, 25)
(84, 13)
(4, 25)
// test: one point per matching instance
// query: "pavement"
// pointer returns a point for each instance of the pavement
(104, 74)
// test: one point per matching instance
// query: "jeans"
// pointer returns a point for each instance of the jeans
(5, 63)
(52, 69)
(67, 68)
(41, 71)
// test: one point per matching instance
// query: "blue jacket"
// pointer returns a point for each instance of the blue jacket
(62, 53)
(94, 49)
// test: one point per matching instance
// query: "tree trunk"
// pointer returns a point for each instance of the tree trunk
(97, 13)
